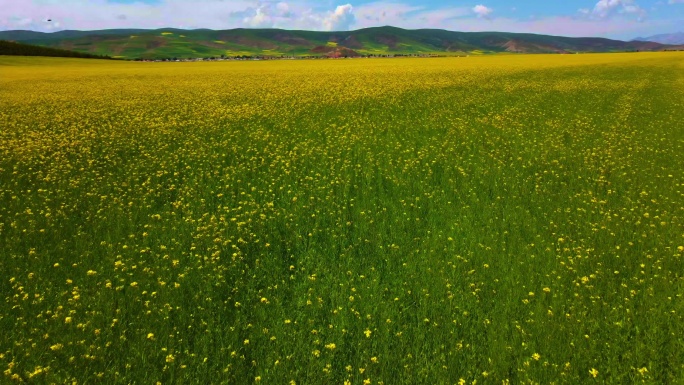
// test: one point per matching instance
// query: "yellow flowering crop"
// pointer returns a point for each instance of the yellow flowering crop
(494, 219)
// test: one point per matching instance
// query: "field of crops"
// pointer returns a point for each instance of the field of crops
(483, 220)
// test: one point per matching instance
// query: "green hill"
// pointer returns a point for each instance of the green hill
(169, 42)
(19, 49)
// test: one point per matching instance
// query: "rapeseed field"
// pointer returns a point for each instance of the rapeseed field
(484, 220)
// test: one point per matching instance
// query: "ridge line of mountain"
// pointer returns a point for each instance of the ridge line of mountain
(387, 40)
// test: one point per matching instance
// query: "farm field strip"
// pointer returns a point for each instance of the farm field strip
(503, 219)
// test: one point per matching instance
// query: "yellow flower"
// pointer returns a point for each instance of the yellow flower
(170, 358)
(368, 333)
(150, 336)
(594, 372)
(536, 356)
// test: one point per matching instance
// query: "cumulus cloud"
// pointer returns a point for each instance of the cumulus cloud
(482, 11)
(607, 8)
(261, 18)
(268, 15)
(283, 9)
(616, 28)
(297, 16)
(214, 14)
(341, 19)
(464, 19)
(608, 18)
(102, 14)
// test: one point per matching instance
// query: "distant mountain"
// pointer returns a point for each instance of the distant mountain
(23, 35)
(169, 42)
(667, 38)
(19, 49)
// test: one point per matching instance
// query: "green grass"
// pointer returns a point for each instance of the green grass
(512, 219)
(376, 40)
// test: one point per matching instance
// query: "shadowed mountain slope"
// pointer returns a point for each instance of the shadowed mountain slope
(20, 49)
(169, 42)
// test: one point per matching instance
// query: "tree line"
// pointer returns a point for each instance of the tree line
(19, 49)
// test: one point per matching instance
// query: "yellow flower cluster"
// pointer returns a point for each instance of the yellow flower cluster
(497, 219)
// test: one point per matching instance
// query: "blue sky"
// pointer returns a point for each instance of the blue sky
(621, 19)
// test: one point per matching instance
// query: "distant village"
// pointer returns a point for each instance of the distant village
(288, 57)
(332, 55)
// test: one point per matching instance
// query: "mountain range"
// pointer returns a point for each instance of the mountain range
(667, 38)
(169, 42)
(19, 49)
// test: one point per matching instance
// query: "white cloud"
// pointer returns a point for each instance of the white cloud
(21, 22)
(461, 19)
(615, 28)
(607, 8)
(482, 11)
(608, 18)
(102, 14)
(261, 19)
(214, 14)
(283, 9)
(298, 16)
(341, 19)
